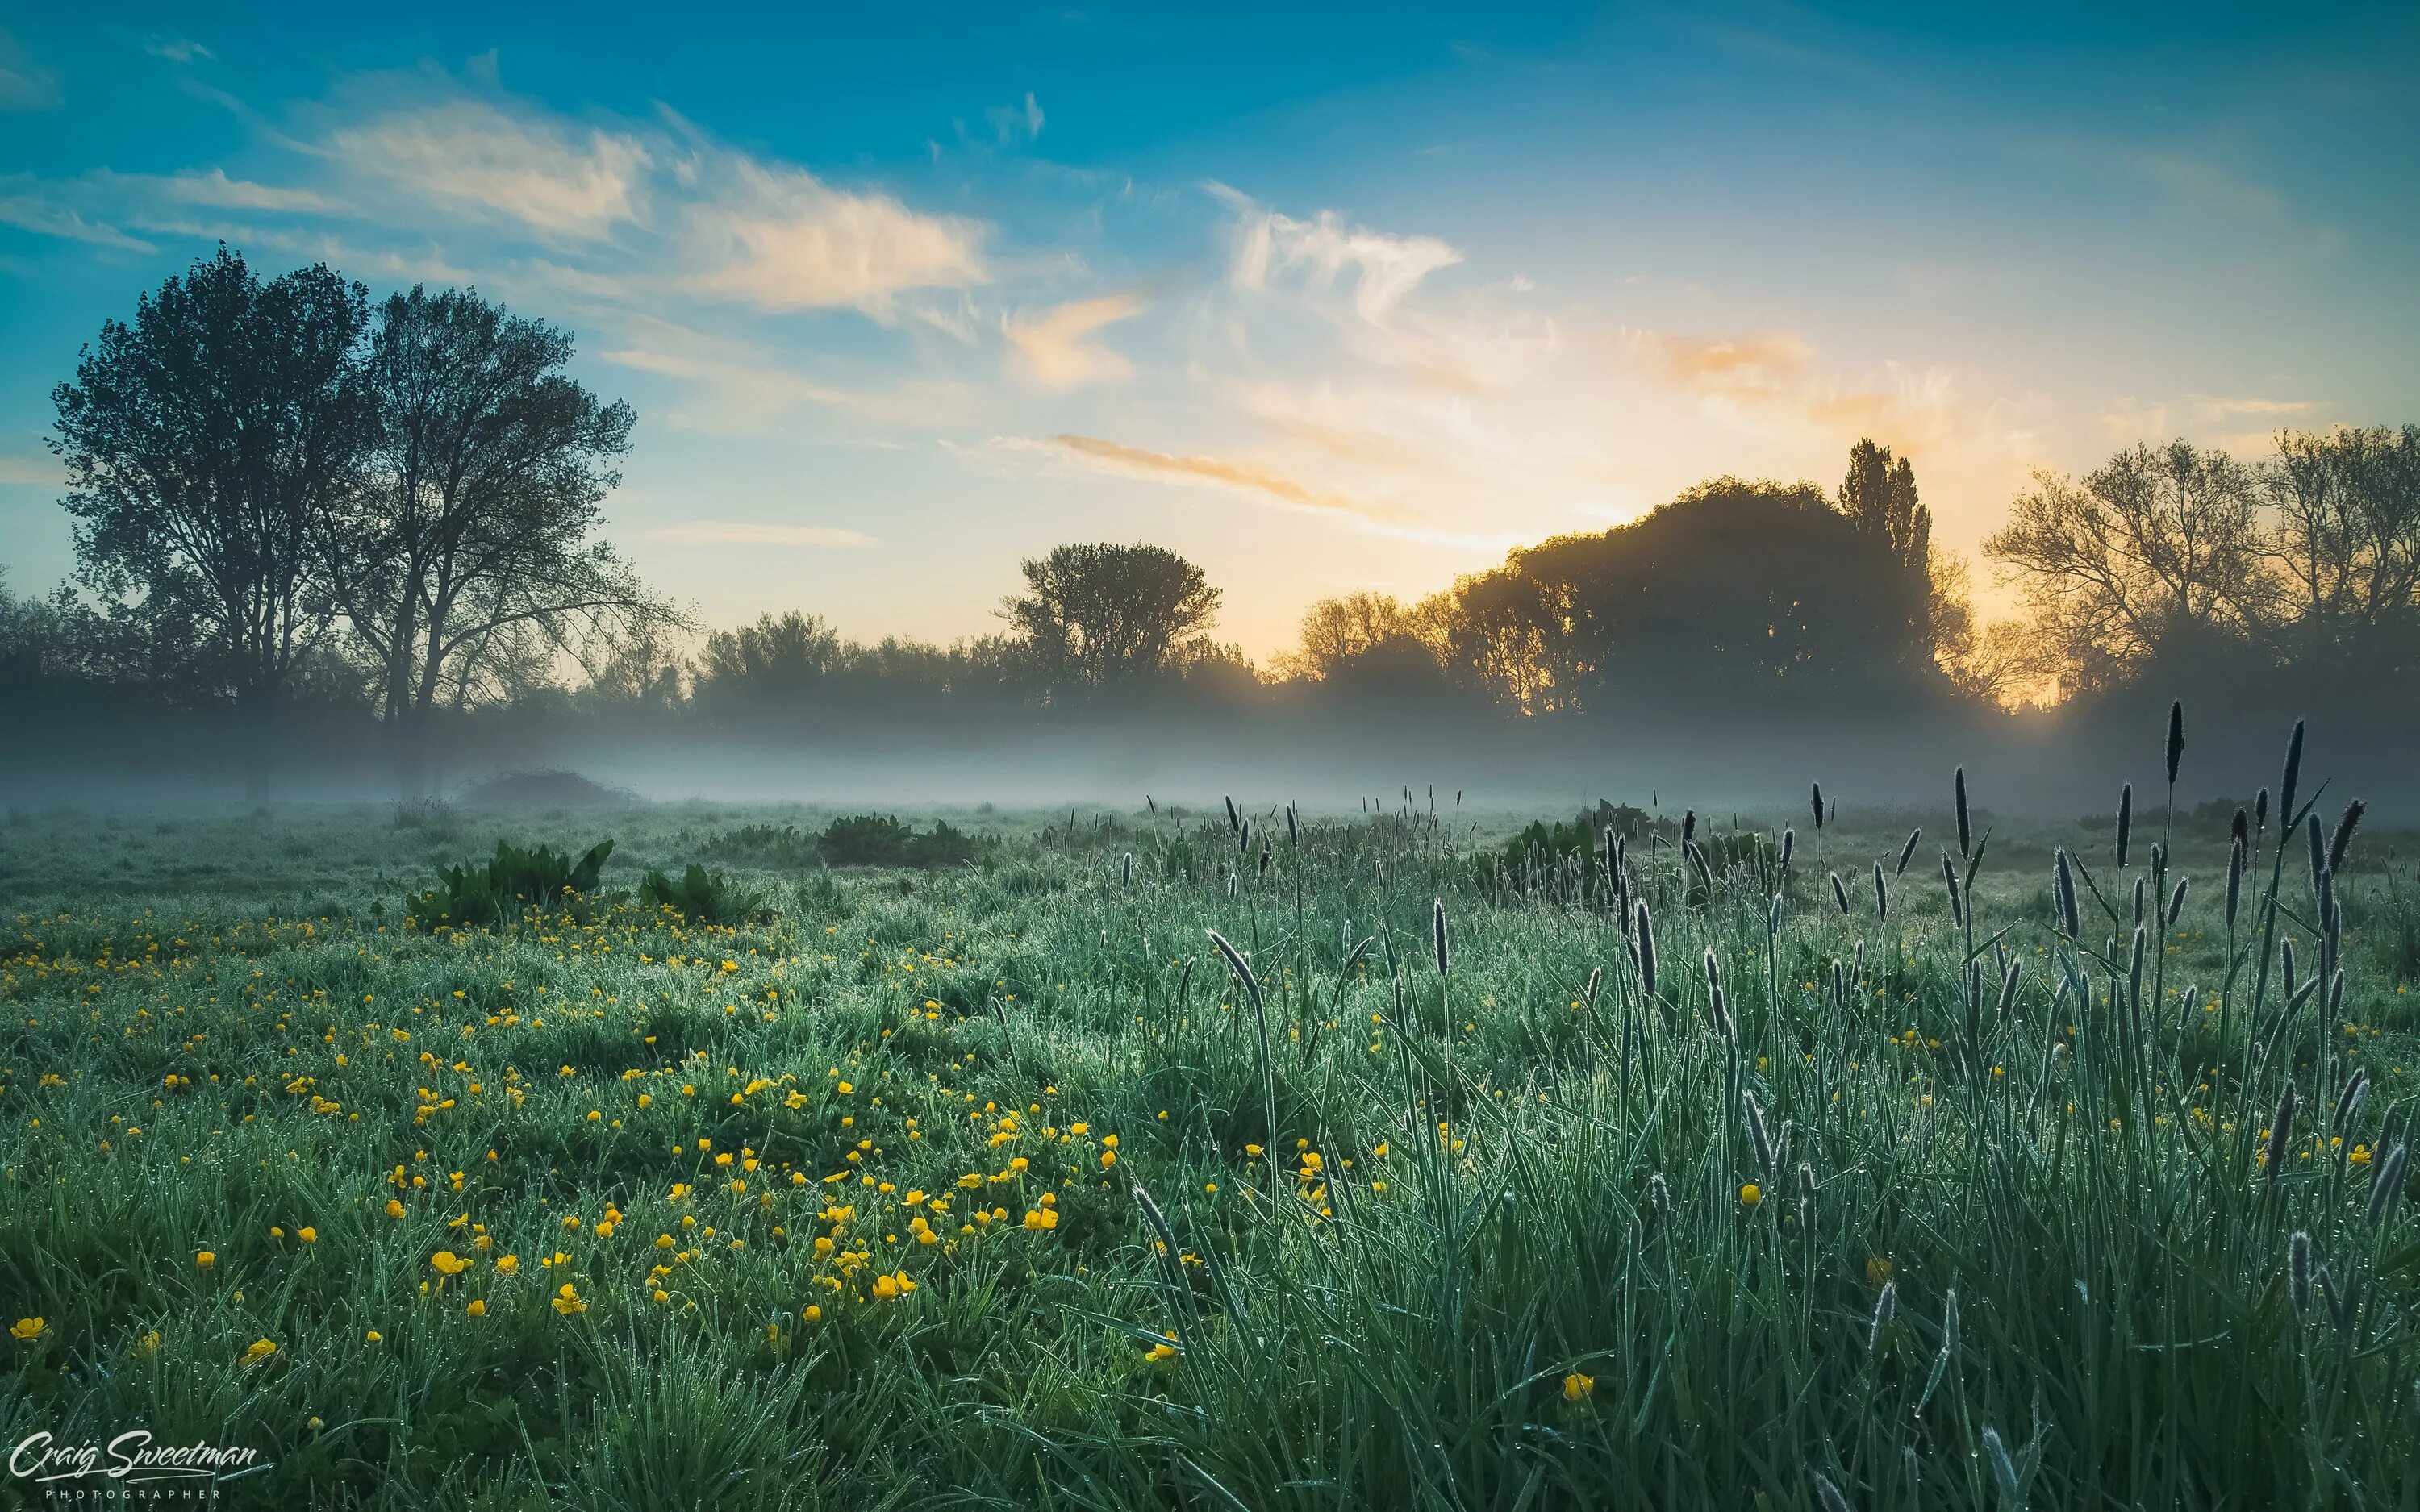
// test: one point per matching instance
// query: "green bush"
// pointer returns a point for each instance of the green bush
(513, 882)
(700, 898)
(882, 840)
(764, 845)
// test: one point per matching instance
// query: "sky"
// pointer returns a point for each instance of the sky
(1324, 297)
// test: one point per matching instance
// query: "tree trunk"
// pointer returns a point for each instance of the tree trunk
(409, 743)
(256, 734)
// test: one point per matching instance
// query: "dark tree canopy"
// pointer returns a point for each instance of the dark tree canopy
(1096, 614)
(466, 562)
(1733, 588)
(204, 442)
(1878, 497)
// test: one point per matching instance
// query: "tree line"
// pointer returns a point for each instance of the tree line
(286, 495)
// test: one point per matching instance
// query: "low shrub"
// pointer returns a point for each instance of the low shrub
(701, 897)
(882, 840)
(783, 845)
(510, 884)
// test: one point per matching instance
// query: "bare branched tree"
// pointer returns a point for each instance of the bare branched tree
(2157, 550)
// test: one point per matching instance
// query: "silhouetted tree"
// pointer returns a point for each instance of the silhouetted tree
(1733, 588)
(1878, 495)
(2344, 545)
(466, 564)
(40, 641)
(205, 443)
(1096, 614)
(1339, 635)
(778, 661)
(2154, 556)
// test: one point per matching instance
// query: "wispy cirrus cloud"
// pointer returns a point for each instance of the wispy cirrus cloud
(1728, 365)
(26, 206)
(1257, 483)
(473, 157)
(1771, 377)
(137, 193)
(777, 238)
(1253, 480)
(1017, 123)
(662, 196)
(1384, 269)
(116, 210)
(175, 49)
(26, 81)
(1054, 349)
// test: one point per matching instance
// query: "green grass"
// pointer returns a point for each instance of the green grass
(1471, 1298)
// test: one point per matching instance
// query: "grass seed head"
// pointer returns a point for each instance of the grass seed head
(2293, 775)
(2237, 855)
(2386, 1185)
(1966, 826)
(2281, 1133)
(2004, 1469)
(2348, 1102)
(2345, 828)
(1885, 1310)
(2063, 894)
(1645, 944)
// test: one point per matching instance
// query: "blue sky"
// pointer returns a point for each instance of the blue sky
(1325, 297)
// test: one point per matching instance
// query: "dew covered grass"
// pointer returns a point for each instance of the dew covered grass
(975, 1187)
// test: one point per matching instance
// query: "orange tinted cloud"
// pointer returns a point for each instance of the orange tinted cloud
(1214, 470)
(1724, 365)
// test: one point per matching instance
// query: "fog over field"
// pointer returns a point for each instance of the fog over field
(1269, 758)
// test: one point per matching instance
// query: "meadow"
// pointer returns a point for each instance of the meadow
(1992, 1168)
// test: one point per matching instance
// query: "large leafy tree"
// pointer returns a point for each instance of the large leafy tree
(205, 441)
(1734, 589)
(467, 565)
(1096, 614)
